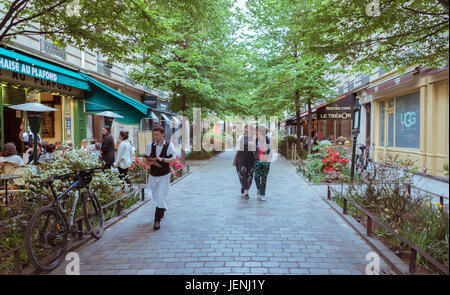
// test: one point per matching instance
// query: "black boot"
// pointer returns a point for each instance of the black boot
(156, 223)
(159, 214)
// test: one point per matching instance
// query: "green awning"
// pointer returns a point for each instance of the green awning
(19, 63)
(103, 98)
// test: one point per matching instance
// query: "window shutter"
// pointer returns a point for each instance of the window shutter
(12, 96)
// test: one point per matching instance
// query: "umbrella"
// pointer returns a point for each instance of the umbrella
(109, 114)
(32, 107)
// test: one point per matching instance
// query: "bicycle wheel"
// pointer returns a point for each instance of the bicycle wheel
(371, 170)
(93, 215)
(46, 239)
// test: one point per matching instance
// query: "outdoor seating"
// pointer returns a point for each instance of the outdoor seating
(14, 185)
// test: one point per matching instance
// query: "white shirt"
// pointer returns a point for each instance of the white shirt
(13, 159)
(170, 149)
(25, 136)
(124, 155)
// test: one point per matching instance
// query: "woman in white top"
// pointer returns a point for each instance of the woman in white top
(124, 155)
(9, 154)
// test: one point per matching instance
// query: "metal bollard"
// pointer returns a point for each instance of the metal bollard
(344, 207)
(412, 261)
(328, 193)
(118, 209)
(143, 194)
(17, 261)
(369, 226)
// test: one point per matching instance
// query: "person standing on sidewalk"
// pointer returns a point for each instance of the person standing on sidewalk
(262, 161)
(124, 155)
(159, 154)
(107, 149)
(245, 163)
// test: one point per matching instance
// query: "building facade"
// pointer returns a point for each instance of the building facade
(75, 117)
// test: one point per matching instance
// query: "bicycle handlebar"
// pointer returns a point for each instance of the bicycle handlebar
(52, 178)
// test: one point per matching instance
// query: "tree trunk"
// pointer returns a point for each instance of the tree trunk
(183, 111)
(298, 125)
(309, 125)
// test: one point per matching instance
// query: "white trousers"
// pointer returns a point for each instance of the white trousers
(159, 186)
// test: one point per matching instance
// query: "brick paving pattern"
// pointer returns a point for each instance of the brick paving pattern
(210, 229)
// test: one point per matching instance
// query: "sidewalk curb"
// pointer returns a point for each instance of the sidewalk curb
(395, 262)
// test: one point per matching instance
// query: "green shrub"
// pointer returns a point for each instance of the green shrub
(14, 218)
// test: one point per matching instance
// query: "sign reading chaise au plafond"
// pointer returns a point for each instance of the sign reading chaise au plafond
(340, 109)
(39, 83)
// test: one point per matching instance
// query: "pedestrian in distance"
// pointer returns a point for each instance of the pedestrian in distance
(262, 161)
(28, 156)
(84, 145)
(49, 155)
(107, 149)
(159, 154)
(245, 163)
(27, 137)
(124, 155)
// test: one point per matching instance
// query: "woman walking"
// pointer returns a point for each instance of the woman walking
(262, 162)
(107, 149)
(124, 155)
(245, 163)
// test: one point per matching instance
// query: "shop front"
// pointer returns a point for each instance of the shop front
(334, 120)
(26, 79)
(331, 121)
(412, 117)
(101, 98)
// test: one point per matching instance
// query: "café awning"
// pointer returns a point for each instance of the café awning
(22, 64)
(104, 98)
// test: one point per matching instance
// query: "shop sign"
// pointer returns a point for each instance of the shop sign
(39, 83)
(341, 109)
(22, 68)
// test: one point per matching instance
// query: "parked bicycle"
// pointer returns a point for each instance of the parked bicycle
(365, 167)
(48, 231)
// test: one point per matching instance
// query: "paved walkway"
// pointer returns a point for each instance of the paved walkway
(209, 229)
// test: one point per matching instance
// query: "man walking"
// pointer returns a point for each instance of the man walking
(262, 161)
(159, 154)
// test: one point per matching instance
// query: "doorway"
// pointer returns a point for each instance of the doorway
(12, 119)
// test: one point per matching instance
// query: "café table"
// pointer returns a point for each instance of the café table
(6, 178)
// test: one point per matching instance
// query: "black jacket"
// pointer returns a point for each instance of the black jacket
(108, 150)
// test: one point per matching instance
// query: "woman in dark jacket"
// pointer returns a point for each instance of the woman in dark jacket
(245, 163)
(107, 150)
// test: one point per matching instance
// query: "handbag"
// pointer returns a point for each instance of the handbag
(235, 159)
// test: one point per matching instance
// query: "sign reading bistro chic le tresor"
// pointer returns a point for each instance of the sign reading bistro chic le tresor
(33, 77)
(341, 109)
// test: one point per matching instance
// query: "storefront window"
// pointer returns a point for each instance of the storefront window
(407, 123)
(382, 115)
(390, 130)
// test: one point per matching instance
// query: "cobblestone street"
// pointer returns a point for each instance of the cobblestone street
(210, 229)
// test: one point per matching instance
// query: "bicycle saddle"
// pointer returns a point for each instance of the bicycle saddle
(362, 147)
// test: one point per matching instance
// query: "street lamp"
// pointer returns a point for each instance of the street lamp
(34, 112)
(109, 117)
(355, 132)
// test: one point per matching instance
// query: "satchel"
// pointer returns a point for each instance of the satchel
(235, 159)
